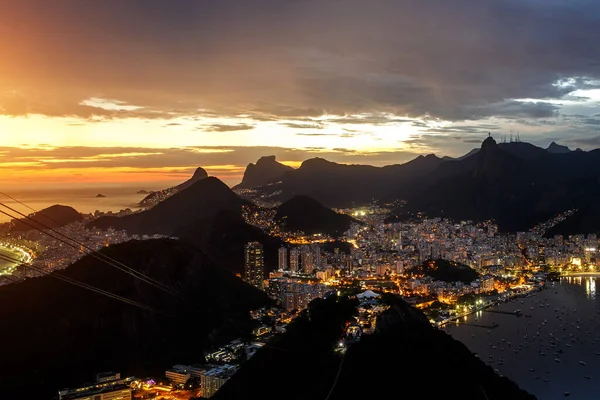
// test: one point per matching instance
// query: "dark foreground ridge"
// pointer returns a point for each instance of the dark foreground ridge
(405, 358)
(57, 335)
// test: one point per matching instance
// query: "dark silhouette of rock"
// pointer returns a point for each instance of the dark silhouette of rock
(557, 148)
(156, 197)
(69, 333)
(302, 213)
(54, 216)
(432, 363)
(202, 199)
(266, 170)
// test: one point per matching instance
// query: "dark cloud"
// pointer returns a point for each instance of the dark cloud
(455, 60)
(226, 128)
(301, 126)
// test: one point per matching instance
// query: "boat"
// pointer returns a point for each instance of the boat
(557, 359)
(582, 363)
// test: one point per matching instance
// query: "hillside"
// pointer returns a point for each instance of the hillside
(203, 199)
(444, 270)
(405, 355)
(54, 216)
(154, 198)
(302, 213)
(61, 334)
(223, 237)
(266, 170)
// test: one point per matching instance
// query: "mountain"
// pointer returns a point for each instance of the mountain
(555, 148)
(428, 364)
(342, 185)
(469, 154)
(207, 215)
(202, 199)
(54, 216)
(223, 236)
(156, 197)
(62, 334)
(301, 213)
(266, 170)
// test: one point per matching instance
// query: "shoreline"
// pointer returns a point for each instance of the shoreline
(531, 292)
(576, 274)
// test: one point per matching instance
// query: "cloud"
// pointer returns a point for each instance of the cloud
(291, 59)
(226, 128)
(301, 126)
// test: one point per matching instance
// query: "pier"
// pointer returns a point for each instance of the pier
(516, 313)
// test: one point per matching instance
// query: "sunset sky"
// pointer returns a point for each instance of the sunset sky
(147, 90)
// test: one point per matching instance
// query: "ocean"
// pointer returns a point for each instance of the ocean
(83, 199)
(553, 349)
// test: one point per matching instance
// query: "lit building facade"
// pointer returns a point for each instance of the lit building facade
(254, 272)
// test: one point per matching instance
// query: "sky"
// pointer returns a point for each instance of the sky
(135, 91)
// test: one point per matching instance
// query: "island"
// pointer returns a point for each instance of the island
(100, 195)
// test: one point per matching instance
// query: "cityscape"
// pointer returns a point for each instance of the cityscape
(299, 200)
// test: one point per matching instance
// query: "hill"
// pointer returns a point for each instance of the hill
(301, 213)
(429, 362)
(203, 199)
(266, 170)
(54, 216)
(154, 198)
(516, 184)
(223, 237)
(60, 334)
(444, 270)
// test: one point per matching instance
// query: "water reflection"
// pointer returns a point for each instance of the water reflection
(552, 349)
(590, 287)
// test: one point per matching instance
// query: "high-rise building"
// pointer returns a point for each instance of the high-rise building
(294, 259)
(308, 261)
(283, 258)
(254, 272)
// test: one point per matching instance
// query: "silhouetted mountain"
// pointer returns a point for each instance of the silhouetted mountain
(62, 334)
(223, 237)
(302, 213)
(516, 184)
(266, 170)
(207, 215)
(402, 333)
(54, 217)
(342, 185)
(202, 199)
(156, 197)
(523, 150)
(469, 154)
(558, 149)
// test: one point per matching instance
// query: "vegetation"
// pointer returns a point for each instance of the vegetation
(447, 271)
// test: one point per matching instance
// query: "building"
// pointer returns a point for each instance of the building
(180, 374)
(212, 380)
(308, 261)
(399, 267)
(117, 389)
(283, 258)
(294, 260)
(254, 272)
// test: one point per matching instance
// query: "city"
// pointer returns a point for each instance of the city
(374, 257)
